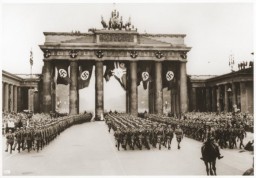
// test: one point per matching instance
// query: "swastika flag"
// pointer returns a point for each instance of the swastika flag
(169, 75)
(63, 76)
(144, 73)
(85, 73)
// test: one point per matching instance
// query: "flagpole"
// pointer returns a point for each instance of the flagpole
(31, 62)
(30, 71)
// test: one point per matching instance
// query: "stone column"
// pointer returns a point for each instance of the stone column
(2, 96)
(183, 88)
(6, 97)
(151, 97)
(243, 97)
(133, 105)
(73, 89)
(218, 98)
(213, 99)
(31, 99)
(193, 99)
(226, 98)
(173, 101)
(15, 101)
(99, 95)
(11, 98)
(18, 99)
(233, 94)
(158, 88)
(36, 102)
(53, 89)
(47, 98)
(127, 93)
(207, 97)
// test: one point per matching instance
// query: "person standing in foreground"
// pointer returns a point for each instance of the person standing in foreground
(9, 141)
(179, 135)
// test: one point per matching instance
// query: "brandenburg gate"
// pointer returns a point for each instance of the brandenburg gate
(118, 42)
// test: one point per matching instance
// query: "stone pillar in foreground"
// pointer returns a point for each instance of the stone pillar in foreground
(47, 98)
(99, 95)
(183, 88)
(133, 104)
(158, 109)
(73, 88)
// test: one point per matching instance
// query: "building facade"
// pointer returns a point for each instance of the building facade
(20, 92)
(222, 93)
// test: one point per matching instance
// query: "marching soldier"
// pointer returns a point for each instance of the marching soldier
(17, 138)
(118, 135)
(9, 141)
(169, 136)
(108, 121)
(38, 138)
(179, 135)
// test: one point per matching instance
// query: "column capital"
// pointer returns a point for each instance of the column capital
(183, 61)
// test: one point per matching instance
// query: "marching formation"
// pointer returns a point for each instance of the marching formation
(226, 129)
(39, 130)
(138, 132)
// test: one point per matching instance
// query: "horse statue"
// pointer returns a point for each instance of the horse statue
(104, 24)
(209, 157)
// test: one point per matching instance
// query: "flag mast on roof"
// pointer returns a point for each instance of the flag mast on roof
(31, 62)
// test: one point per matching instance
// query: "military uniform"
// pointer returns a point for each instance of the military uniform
(179, 135)
(169, 136)
(9, 141)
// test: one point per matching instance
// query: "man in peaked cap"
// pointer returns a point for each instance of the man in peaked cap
(9, 141)
(179, 135)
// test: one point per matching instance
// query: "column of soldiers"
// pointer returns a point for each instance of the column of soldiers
(136, 132)
(40, 133)
(227, 129)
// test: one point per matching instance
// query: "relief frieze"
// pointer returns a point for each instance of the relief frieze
(116, 38)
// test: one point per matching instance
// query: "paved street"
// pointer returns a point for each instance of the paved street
(88, 149)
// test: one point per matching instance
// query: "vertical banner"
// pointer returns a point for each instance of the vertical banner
(85, 73)
(109, 69)
(118, 70)
(63, 76)
(169, 75)
(119, 73)
(144, 71)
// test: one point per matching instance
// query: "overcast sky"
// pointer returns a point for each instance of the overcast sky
(214, 30)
